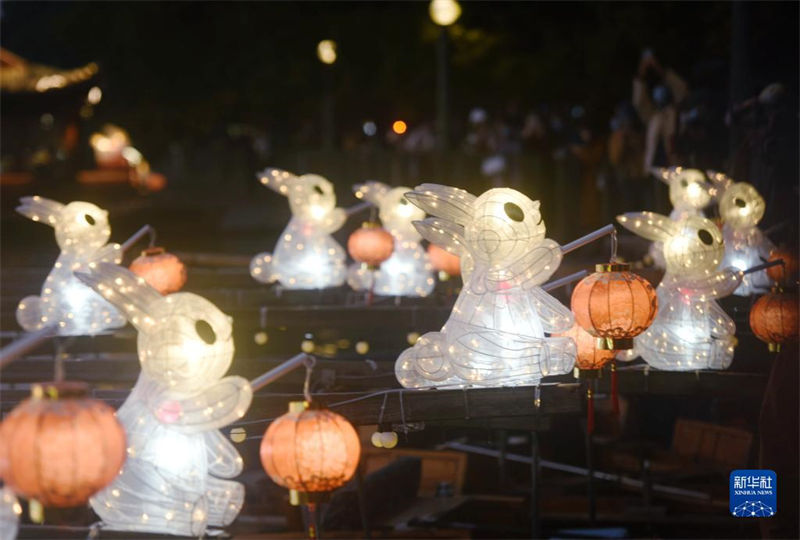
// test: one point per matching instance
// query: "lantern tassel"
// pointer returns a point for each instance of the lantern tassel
(311, 516)
(589, 412)
(614, 389)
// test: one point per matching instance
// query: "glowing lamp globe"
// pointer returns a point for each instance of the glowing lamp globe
(444, 261)
(614, 305)
(444, 12)
(589, 355)
(786, 271)
(161, 270)
(774, 319)
(310, 450)
(108, 145)
(370, 245)
(62, 447)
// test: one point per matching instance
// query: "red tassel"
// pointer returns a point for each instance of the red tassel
(614, 389)
(589, 411)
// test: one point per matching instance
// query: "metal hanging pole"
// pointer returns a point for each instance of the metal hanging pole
(276, 373)
(588, 239)
(26, 343)
(566, 280)
(138, 235)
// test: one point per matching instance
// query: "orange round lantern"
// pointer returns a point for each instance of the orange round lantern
(589, 356)
(774, 318)
(370, 245)
(614, 305)
(61, 446)
(444, 261)
(310, 450)
(161, 270)
(783, 272)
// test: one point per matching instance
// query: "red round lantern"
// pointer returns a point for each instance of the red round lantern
(310, 450)
(614, 305)
(787, 271)
(61, 446)
(589, 356)
(370, 245)
(774, 318)
(163, 271)
(444, 261)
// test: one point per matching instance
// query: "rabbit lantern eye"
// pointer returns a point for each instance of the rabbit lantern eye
(89, 219)
(318, 190)
(205, 331)
(739, 202)
(404, 201)
(705, 237)
(513, 211)
(684, 183)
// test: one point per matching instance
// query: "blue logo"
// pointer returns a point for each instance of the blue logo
(753, 493)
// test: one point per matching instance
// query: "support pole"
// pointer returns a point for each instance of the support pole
(26, 343)
(566, 280)
(276, 373)
(138, 235)
(588, 239)
(356, 208)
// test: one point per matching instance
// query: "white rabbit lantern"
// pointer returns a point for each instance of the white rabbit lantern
(690, 190)
(741, 208)
(173, 481)
(690, 331)
(408, 272)
(306, 257)
(67, 304)
(495, 335)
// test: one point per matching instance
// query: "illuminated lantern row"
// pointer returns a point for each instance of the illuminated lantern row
(690, 331)
(370, 245)
(614, 305)
(787, 272)
(689, 192)
(407, 272)
(163, 271)
(82, 231)
(444, 261)
(306, 257)
(495, 334)
(741, 208)
(61, 447)
(774, 318)
(175, 479)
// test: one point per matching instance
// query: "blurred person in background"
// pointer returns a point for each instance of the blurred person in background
(625, 157)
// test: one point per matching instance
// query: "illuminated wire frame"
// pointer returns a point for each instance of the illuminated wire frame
(174, 479)
(306, 257)
(61, 445)
(408, 272)
(741, 208)
(690, 191)
(81, 232)
(495, 335)
(690, 330)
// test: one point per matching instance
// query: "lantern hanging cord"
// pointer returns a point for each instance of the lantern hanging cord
(614, 245)
(309, 363)
(138, 235)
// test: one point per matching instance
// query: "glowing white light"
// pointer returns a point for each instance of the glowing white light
(369, 128)
(408, 271)
(82, 231)
(174, 480)
(306, 257)
(496, 333)
(95, 95)
(326, 51)
(444, 12)
(10, 511)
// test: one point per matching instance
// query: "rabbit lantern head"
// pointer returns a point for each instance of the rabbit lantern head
(690, 330)
(495, 334)
(741, 206)
(394, 209)
(306, 256)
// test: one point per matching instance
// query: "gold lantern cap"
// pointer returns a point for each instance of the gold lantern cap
(614, 344)
(54, 390)
(612, 267)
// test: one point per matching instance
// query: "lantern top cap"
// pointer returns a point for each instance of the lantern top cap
(298, 406)
(59, 390)
(156, 250)
(370, 225)
(612, 267)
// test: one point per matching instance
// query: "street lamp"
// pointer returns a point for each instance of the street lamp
(443, 13)
(326, 52)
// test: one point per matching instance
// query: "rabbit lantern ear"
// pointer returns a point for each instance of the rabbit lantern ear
(665, 174)
(371, 191)
(449, 203)
(127, 291)
(649, 225)
(40, 209)
(277, 180)
(443, 233)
